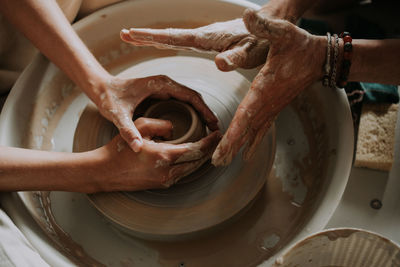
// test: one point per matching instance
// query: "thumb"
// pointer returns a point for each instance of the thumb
(235, 57)
(150, 127)
(247, 54)
(231, 59)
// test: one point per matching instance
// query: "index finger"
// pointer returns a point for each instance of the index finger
(243, 123)
(187, 39)
(183, 93)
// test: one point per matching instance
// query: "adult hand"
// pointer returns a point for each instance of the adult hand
(120, 97)
(236, 46)
(294, 61)
(157, 165)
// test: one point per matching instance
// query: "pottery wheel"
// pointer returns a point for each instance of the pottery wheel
(208, 197)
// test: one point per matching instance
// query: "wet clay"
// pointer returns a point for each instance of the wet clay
(271, 214)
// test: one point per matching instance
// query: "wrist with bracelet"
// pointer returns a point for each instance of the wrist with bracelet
(337, 66)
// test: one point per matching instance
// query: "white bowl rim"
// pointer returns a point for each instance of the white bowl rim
(299, 243)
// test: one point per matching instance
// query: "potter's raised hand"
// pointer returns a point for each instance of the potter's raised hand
(294, 61)
(119, 99)
(236, 46)
(157, 165)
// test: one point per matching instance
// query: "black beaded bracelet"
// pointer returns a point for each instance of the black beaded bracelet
(347, 56)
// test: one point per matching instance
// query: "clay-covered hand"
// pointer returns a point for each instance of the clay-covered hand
(157, 165)
(120, 97)
(235, 45)
(295, 60)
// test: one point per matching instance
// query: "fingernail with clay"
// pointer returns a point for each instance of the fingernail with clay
(136, 145)
(125, 35)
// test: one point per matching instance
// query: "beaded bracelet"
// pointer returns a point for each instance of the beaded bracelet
(347, 56)
(335, 61)
(327, 67)
(330, 67)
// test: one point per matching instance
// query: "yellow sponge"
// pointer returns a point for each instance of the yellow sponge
(376, 136)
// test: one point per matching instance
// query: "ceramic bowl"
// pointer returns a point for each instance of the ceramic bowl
(187, 126)
(344, 247)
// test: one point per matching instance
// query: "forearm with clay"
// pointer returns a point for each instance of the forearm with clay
(43, 22)
(45, 25)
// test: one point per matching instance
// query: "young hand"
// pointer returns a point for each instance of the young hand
(157, 165)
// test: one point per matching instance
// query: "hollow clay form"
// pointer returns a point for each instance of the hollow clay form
(187, 126)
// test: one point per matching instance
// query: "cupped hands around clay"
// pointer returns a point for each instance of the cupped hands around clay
(118, 98)
(235, 45)
(157, 165)
(295, 60)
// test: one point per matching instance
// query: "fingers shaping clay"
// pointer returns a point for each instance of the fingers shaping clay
(187, 126)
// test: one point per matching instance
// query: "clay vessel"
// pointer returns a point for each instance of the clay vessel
(187, 125)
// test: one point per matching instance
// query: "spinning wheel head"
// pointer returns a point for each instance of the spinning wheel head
(204, 199)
